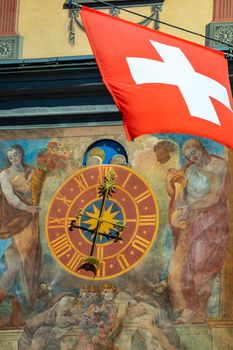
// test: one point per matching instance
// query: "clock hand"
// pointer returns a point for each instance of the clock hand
(105, 190)
(91, 263)
(79, 213)
(74, 225)
(114, 238)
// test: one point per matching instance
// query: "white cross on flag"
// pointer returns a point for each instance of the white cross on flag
(161, 83)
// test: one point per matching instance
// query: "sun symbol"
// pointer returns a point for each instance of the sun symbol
(108, 217)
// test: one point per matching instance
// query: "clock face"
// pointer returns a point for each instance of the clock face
(132, 205)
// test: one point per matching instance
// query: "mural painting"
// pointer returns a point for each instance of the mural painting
(107, 244)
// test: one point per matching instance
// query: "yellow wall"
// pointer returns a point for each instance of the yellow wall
(190, 14)
(44, 25)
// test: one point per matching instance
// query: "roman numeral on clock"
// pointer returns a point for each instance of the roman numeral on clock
(101, 272)
(99, 252)
(61, 246)
(81, 181)
(103, 172)
(122, 261)
(126, 180)
(140, 243)
(56, 222)
(147, 220)
(74, 262)
(142, 196)
(64, 200)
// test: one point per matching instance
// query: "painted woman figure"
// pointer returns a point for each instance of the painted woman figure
(19, 232)
(199, 220)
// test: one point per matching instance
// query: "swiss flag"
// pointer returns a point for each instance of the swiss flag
(161, 83)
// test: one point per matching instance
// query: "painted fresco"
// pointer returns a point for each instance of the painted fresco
(166, 298)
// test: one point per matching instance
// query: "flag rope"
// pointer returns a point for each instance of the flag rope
(159, 21)
(165, 23)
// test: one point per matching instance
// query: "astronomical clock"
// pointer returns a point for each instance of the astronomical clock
(102, 221)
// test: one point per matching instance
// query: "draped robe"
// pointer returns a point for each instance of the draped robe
(200, 237)
(21, 229)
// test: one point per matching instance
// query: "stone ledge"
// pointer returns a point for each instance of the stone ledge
(216, 335)
(9, 339)
(192, 329)
(194, 337)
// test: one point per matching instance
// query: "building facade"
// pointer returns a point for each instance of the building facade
(102, 245)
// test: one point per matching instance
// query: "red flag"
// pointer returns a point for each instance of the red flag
(161, 83)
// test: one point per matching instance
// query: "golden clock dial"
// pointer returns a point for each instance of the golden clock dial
(132, 205)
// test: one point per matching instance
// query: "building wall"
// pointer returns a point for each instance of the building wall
(44, 28)
(192, 15)
(44, 25)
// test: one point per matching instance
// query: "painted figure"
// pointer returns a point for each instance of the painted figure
(118, 159)
(19, 233)
(164, 150)
(63, 312)
(199, 220)
(94, 160)
(137, 325)
(152, 160)
(54, 322)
